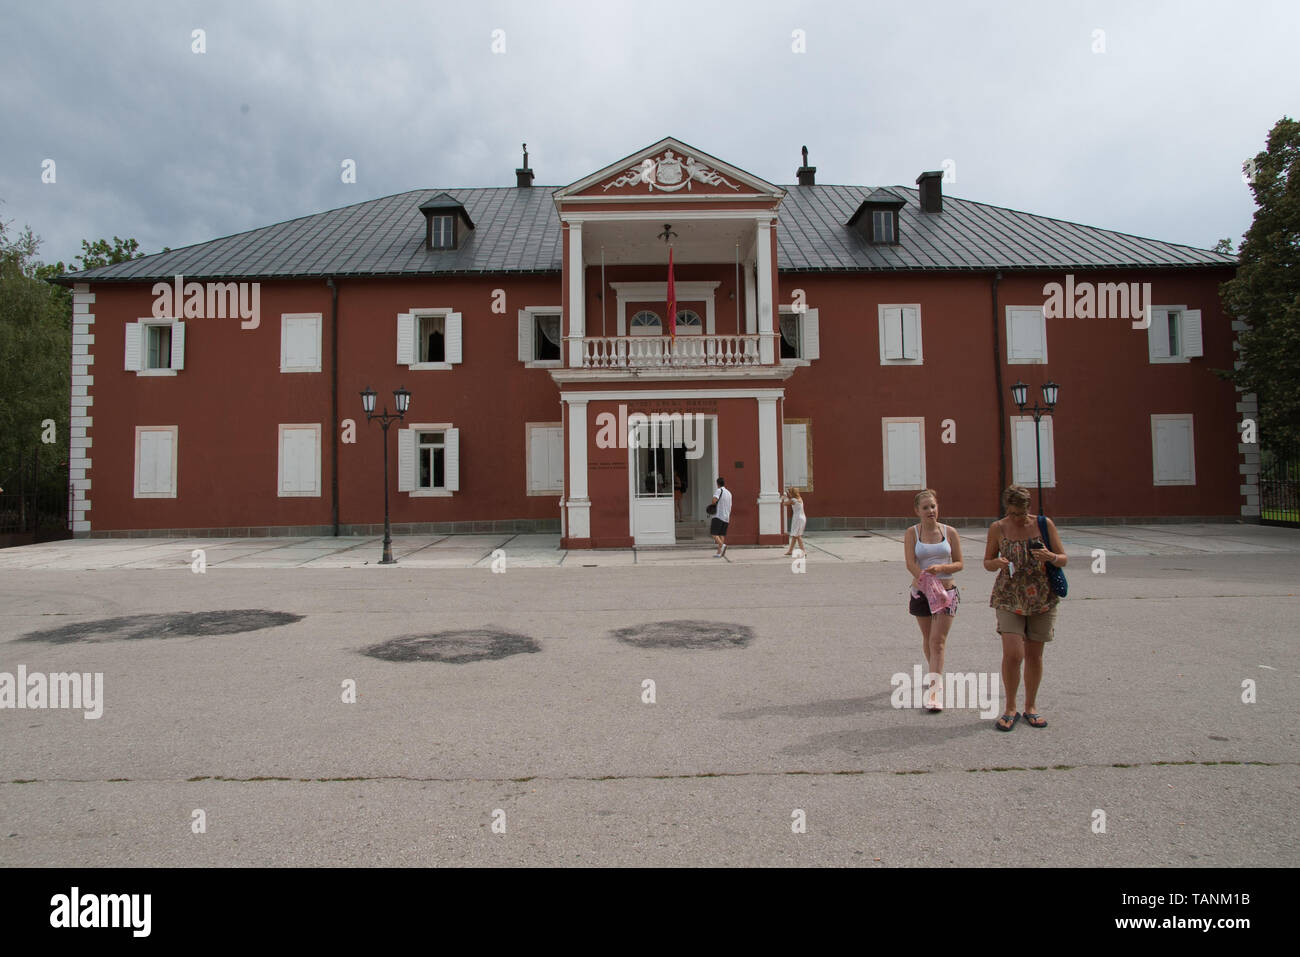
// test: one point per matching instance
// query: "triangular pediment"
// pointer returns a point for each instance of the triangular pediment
(668, 169)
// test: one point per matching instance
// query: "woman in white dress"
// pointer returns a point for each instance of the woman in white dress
(798, 520)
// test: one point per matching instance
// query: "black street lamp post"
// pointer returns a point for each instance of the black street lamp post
(1020, 393)
(402, 399)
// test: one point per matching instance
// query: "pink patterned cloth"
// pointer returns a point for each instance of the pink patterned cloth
(940, 598)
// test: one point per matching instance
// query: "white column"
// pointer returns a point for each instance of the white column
(577, 300)
(765, 325)
(578, 505)
(751, 307)
(769, 494)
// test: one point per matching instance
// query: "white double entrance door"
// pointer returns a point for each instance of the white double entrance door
(668, 455)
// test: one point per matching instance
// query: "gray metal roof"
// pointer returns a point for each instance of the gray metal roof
(518, 231)
(966, 235)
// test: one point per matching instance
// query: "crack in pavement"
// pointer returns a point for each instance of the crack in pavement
(696, 775)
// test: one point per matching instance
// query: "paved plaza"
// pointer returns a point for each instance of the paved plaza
(582, 708)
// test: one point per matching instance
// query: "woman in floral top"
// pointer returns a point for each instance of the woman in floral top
(1023, 600)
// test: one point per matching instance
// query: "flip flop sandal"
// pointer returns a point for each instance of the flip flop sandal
(1014, 719)
(1034, 721)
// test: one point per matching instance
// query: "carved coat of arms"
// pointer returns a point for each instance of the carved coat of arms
(670, 173)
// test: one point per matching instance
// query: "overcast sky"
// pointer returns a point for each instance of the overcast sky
(1133, 116)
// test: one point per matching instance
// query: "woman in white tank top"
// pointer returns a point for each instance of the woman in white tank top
(933, 555)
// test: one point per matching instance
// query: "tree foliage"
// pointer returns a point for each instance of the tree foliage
(36, 347)
(1266, 290)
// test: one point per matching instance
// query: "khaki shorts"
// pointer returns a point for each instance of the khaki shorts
(1034, 627)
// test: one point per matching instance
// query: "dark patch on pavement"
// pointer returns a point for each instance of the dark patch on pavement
(188, 624)
(455, 647)
(686, 634)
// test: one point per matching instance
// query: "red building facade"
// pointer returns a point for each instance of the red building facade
(857, 343)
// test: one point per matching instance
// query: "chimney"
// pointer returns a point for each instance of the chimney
(931, 184)
(807, 174)
(524, 177)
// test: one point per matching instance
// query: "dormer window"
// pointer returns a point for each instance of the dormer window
(442, 232)
(884, 227)
(447, 225)
(876, 219)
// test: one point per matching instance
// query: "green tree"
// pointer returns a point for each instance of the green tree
(35, 359)
(36, 348)
(1223, 246)
(1266, 290)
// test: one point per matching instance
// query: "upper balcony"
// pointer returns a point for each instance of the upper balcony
(669, 352)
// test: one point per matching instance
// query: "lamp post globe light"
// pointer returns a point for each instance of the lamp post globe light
(1020, 394)
(402, 402)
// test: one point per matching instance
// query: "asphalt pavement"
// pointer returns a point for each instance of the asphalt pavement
(288, 704)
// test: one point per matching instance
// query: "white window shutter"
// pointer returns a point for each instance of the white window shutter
(156, 462)
(893, 333)
(904, 451)
(1024, 466)
(167, 464)
(1191, 337)
(451, 462)
(288, 461)
(526, 352)
(1047, 451)
(309, 461)
(405, 339)
(134, 337)
(555, 442)
(452, 326)
(810, 335)
(911, 333)
(1022, 472)
(178, 345)
(286, 344)
(1158, 335)
(405, 459)
(539, 458)
(1174, 460)
(1026, 336)
(148, 466)
(795, 455)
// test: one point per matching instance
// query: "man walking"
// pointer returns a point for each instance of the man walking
(721, 518)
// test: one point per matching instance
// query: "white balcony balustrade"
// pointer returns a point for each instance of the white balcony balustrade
(637, 352)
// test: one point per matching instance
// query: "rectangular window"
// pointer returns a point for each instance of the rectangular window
(443, 232)
(429, 338)
(904, 453)
(541, 336)
(300, 342)
(547, 336)
(155, 461)
(545, 450)
(1174, 334)
(432, 339)
(428, 459)
(158, 354)
(1026, 335)
(900, 335)
(1172, 450)
(154, 347)
(654, 459)
(882, 226)
(431, 460)
(1024, 465)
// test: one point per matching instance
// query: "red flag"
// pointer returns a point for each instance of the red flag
(672, 297)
